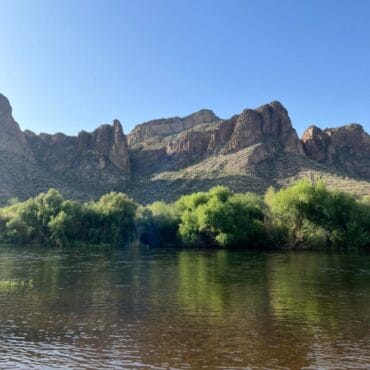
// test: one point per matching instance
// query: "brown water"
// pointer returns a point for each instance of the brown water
(160, 309)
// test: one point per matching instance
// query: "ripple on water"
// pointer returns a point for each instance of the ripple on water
(183, 309)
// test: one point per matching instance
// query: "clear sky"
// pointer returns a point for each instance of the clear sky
(70, 65)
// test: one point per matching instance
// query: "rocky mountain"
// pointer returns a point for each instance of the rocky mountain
(346, 147)
(86, 152)
(82, 166)
(164, 158)
(12, 139)
(268, 128)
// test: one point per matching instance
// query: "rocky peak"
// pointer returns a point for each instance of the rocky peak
(5, 107)
(169, 126)
(197, 118)
(332, 143)
(268, 126)
(352, 136)
(276, 119)
(269, 122)
(12, 138)
(110, 141)
(317, 144)
(105, 145)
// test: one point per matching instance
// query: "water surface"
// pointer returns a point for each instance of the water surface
(160, 309)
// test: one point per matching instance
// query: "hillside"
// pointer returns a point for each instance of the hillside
(164, 158)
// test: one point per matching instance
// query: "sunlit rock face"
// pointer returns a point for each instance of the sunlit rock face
(328, 144)
(105, 146)
(352, 137)
(12, 139)
(317, 144)
(347, 147)
(267, 123)
(178, 145)
(165, 158)
(168, 126)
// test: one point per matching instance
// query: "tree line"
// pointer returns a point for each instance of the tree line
(304, 215)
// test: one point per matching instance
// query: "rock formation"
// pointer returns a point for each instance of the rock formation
(169, 126)
(327, 145)
(164, 158)
(12, 139)
(268, 125)
(99, 157)
(104, 147)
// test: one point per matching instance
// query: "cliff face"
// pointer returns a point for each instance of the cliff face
(329, 144)
(12, 139)
(268, 126)
(82, 166)
(269, 123)
(346, 146)
(100, 149)
(165, 158)
(333, 144)
(104, 147)
(168, 126)
(317, 144)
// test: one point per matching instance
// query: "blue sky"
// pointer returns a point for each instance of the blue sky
(71, 65)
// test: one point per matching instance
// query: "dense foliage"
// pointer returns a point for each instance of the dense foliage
(312, 216)
(157, 224)
(304, 215)
(221, 218)
(49, 219)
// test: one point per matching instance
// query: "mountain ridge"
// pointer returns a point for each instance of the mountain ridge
(164, 158)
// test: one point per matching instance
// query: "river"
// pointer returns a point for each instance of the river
(178, 309)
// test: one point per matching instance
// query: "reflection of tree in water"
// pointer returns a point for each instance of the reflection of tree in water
(231, 288)
(324, 297)
(215, 308)
(216, 282)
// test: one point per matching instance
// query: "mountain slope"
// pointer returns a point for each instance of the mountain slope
(165, 158)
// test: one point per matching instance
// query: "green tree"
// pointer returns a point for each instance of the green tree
(158, 224)
(71, 224)
(312, 216)
(112, 219)
(30, 220)
(221, 218)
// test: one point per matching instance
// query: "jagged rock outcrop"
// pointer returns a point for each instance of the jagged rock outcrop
(169, 126)
(333, 143)
(269, 125)
(350, 137)
(103, 148)
(165, 158)
(12, 138)
(316, 144)
(109, 142)
(346, 147)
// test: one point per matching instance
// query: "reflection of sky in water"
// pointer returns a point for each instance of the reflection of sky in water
(160, 309)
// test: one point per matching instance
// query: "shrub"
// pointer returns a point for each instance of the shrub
(158, 224)
(221, 218)
(313, 216)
